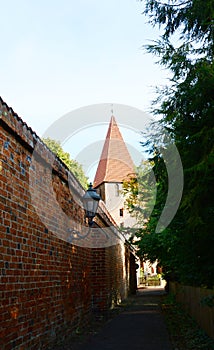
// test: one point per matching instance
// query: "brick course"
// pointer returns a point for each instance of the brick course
(49, 287)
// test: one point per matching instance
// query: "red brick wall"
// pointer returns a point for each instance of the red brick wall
(48, 286)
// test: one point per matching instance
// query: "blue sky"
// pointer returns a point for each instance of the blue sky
(57, 56)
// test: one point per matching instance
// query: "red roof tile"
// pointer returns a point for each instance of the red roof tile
(115, 162)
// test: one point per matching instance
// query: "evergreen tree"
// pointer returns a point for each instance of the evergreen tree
(186, 108)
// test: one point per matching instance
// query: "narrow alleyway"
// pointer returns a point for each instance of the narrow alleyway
(139, 326)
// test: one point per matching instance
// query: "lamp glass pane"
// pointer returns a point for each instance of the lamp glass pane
(90, 205)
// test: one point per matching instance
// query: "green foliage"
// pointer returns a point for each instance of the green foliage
(208, 301)
(192, 19)
(140, 192)
(72, 165)
(186, 108)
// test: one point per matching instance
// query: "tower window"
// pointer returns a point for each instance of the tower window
(121, 212)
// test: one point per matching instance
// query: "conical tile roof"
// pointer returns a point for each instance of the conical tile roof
(115, 163)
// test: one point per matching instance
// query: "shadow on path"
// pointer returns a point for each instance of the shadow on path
(139, 326)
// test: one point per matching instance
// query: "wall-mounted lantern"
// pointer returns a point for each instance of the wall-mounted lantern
(90, 202)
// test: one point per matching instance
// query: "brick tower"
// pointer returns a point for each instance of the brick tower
(114, 167)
